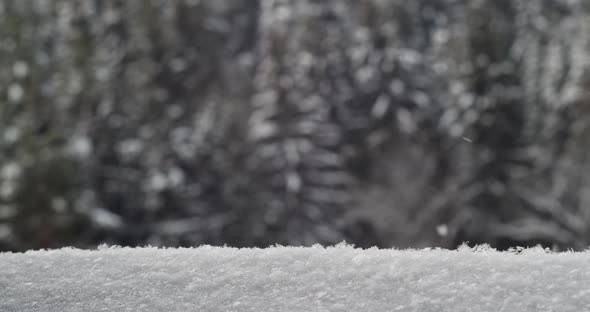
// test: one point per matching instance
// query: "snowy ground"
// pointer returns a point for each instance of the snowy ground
(293, 279)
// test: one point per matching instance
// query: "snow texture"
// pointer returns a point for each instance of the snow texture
(338, 278)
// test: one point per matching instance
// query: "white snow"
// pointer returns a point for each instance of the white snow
(293, 279)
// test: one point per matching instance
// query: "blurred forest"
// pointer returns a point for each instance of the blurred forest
(385, 123)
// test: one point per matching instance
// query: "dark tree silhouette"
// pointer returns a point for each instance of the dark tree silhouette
(250, 123)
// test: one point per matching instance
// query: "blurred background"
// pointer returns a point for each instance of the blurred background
(252, 123)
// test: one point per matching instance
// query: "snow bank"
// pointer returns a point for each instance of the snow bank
(293, 279)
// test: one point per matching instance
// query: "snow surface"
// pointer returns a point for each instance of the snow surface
(293, 279)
